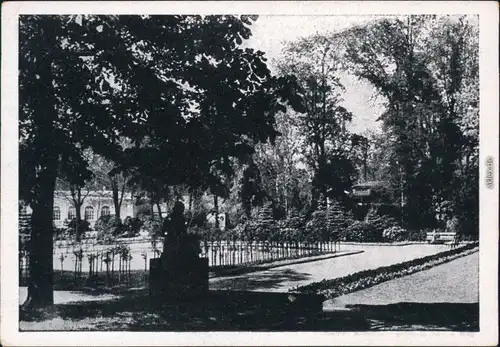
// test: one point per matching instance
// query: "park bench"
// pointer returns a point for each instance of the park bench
(450, 238)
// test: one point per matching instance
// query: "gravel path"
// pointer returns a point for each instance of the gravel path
(453, 282)
(281, 279)
(68, 296)
(65, 296)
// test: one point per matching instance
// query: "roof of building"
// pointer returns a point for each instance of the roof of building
(369, 184)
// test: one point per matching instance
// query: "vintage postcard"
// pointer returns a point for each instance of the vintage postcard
(249, 173)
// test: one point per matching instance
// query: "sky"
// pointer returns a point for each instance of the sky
(269, 33)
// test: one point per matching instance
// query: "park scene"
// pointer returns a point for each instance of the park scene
(248, 173)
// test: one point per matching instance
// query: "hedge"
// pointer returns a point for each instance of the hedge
(364, 279)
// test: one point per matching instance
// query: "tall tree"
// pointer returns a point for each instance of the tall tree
(417, 64)
(75, 183)
(280, 162)
(109, 175)
(179, 87)
(230, 103)
(61, 112)
(315, 61)
(251, 191)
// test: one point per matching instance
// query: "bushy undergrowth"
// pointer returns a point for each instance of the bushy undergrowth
(108, 227)
(151, 224)
(374, 228)
(362, 231)
(70, 227)
(317, 227)
(394, 233)
(132, 226)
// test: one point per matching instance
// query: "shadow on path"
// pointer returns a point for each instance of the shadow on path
(421, 316)
(219, 311)
(249, 311)
(260, 280)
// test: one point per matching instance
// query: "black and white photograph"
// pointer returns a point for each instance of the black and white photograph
(249, 169)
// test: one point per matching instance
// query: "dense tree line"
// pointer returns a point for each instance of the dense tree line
(426, 68)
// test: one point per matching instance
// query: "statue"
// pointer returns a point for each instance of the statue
(180, 272)
(174, 227)
(178, 245)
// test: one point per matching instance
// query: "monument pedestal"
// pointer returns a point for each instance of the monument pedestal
(178, 277)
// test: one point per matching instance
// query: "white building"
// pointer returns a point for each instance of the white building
(95, 205)
(100, 203)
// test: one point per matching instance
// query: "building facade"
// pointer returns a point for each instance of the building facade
(100, 203)
(95, 205)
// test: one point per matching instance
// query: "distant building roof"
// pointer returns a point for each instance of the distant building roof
(369, 184)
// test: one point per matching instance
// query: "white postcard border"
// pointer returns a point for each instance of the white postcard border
(489, 112)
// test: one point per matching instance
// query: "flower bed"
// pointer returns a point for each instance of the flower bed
(368, 278)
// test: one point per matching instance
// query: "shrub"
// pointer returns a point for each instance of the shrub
(317, 227)
(58, 233)
(374, 225)
(394, 233)
(356, 231)
(152, 225)
(364, 231)
(418, 234)
(199, 218)
(108, 227)
(132, 226)
(452, 224)
(265, 227)
(70, 225)
(337, 221)
(389, 210)
(292, 228)
(239, 230)
(250, 229)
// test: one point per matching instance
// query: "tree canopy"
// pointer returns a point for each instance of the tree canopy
(180, 88)
(426, 68)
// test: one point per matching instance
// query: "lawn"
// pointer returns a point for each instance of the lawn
(445, 297)
(456, 282)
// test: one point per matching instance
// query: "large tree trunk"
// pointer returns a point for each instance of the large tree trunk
(77, 202)
(117, 199)
(78, 213)
(216, 207)
(159, 210)
(40, 286)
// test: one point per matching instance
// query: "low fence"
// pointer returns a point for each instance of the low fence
(128, 262)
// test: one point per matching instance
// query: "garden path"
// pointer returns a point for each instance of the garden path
(283, 278)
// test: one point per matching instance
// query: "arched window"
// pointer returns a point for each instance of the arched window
(71, 213)
(56, 215)
(89, 213)
(105, 211)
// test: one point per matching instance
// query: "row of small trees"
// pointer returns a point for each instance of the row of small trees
(323, 226)
(101, 261)
(326, 224)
